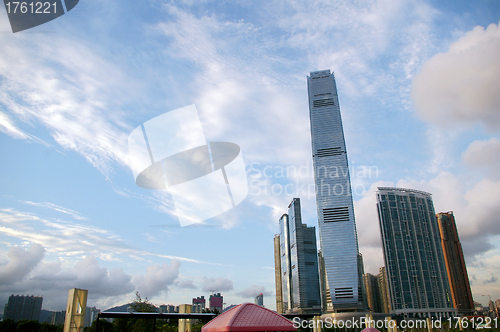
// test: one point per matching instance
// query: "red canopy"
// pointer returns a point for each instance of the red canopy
(248, 317)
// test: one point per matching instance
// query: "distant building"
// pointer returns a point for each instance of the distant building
(455, 264)
(377, 296)
(384, 291)
(91, 315)
(299, 263)
(497, 303)
(416, 272)
(57, 317)
(21, 307)
(277, 275)
(215, 302)
(198, 304)
(166, 308)
(229, 307)
(373, 299)
(259, 299)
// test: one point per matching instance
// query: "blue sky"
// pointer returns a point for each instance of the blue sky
(419, 92)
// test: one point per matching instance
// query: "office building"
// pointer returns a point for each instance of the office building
(259, 299)
(277, 275)
(299, 263)
(21, 307)
(337, 227)
(198, 305)
(215, 302)
(455, 264)
(414, 261)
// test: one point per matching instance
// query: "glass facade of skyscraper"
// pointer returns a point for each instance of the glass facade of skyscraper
(299, 263)
(416, 273)
(337, 228)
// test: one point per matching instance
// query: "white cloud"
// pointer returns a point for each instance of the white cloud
(216, 285)
(26, 273)
(187, 284)
(253, 291)
(484, 155)
(57, 208)
(66, 87)
(21, 263)
(461, 85)
(69, 239)
(157, 279)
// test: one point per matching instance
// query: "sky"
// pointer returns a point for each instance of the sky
(419, 91)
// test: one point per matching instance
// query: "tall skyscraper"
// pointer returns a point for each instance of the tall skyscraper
(21, 307)
(455, 264)
(416, 273)
(337, 228)
(299, 263)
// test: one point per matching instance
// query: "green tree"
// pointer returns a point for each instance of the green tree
(8, 325)
(136, 324)
(28, 326)
(140, 305)
(104, 326)
(46, 327)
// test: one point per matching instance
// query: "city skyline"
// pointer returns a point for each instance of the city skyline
(417, 85)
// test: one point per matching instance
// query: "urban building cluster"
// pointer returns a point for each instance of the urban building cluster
(424, 274)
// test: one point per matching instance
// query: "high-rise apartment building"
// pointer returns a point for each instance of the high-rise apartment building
(198, 305)
(455, 264)
(416, 273)
(299, 263)
(57, 318)
(216, 302)
(21, 307)
(337, 227)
